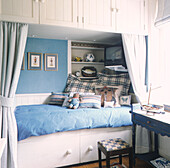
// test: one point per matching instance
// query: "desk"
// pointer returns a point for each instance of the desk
(158, 123)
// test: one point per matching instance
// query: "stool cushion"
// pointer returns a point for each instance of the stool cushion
(114, 144)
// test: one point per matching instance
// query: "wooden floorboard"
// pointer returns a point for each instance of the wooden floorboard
(125, 160)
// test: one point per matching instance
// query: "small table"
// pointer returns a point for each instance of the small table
(158, 123)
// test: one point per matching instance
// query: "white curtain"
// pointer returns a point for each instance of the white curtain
(12, 45)
(163, 12)
(135, 55)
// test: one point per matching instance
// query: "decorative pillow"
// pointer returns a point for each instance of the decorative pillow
(109, 93)
(81, 93)
(116, 80)
(57, 98)
(125, 100)
(109, 104)
(90, 101)
(76, 85)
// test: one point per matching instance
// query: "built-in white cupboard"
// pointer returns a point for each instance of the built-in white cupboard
(123, 16)
(131, 16)
(26, 11)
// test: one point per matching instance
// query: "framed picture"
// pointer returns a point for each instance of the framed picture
(23, 62)
(51, 62)
(34, 61)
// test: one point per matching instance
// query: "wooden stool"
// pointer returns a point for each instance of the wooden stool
(114, 147)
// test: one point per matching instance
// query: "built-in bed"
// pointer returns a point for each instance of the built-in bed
(53, 136)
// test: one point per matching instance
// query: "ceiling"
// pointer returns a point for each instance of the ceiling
(74, 34)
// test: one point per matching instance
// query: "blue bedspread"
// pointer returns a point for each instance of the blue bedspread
(35, 120)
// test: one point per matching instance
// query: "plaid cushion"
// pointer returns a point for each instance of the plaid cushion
(76, 85)
(57, 98)
(114, 144)
(116, 80)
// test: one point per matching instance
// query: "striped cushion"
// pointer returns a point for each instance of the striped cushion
(90, 101)
(57, 98)
(116, 80)
(114, 144)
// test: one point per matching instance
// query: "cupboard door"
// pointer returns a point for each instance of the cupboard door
(26, 11)
(59, 12)
(98, 15)
(130, 16)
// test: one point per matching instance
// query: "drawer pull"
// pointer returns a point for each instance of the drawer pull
(90, 148)
(148, 122)
(69, 151)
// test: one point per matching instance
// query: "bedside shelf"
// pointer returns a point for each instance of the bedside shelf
(96, 63)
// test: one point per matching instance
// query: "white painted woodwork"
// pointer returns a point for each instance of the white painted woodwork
(28, 99)
(123, 16)
(69, 56)
(81, 52)
(98, 15)
(130, 16)
(90, 140)
(26, 11)
(53, 150)
(59, 12)
(65, 148)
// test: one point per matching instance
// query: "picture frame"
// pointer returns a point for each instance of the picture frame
(23, 62)
(51, 62)
(34, 61)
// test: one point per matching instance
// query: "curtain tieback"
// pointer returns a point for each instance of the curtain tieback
(6, 102)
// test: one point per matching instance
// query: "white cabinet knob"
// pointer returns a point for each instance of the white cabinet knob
(90, 148)
(69, 151)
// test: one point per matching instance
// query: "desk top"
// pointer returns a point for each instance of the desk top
(165, 118)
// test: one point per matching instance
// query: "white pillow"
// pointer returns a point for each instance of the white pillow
(109, 104)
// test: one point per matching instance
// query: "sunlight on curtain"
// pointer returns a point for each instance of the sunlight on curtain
(159, 69)
(135, 55)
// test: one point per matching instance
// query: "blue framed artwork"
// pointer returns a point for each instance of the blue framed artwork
(34, 61)
(51, 62)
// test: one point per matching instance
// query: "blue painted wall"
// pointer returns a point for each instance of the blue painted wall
(41, 81)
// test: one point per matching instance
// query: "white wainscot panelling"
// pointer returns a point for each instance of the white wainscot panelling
(28, 99)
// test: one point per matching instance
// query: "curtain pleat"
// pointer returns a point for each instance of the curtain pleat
(12, 46)
(135, 55)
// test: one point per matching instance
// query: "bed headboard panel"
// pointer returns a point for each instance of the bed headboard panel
(27, 99)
